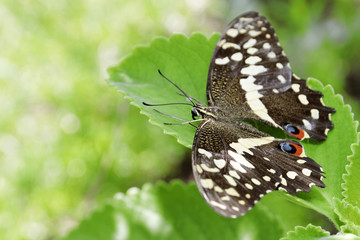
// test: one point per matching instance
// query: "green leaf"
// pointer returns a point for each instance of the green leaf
(172, 211)
(185, 61)
(101, 225)
(305, 233)
(352, 178)
(349, 214)
(340, 236)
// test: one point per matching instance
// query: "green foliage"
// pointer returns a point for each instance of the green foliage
(173, 211)
(182, 60)
(188, 67)
(305, 233)
(351, 181)
(69, 142)
(348, 214)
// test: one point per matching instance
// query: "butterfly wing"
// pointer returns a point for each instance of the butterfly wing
(235, 165)
(250, 78)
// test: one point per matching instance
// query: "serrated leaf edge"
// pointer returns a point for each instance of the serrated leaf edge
(350, 159)
(297, 228)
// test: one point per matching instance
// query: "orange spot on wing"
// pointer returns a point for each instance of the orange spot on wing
(300, 135)
(299, 149)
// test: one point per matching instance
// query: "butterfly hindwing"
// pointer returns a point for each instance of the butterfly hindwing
(235, 165)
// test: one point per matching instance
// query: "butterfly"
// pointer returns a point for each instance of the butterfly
(235, 164)
(250, 78)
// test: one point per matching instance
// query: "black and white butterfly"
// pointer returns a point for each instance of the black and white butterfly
(235, 164)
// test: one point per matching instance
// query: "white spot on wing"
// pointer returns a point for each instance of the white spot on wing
(271, 55)
(255, 181)
(254, 33)
(232, 32)
(208, 169)
(249, 186)
(248, 84)
(234, 174)
(291, 174)
(216, 204)
(230, 180)
(230, 45)
(221, 42)
(198, 168)
(266, 46)
(303, 99)
(314, 113)
(235, 208)
(252, 50)
(253, 98)
(232, 192)
(204, 152)
(244, 144)
(218, 189)
(222, 61)
(322, 101)
(242, 31)
(279, 65)
(326, 131)
(240, 158)
(306, 172)
(245, 19)
(220, 163)
(296, 77)
(295, 87)
(237, 166)
(252, 60)
(281, 78)
(251, 42)
(207, 183)
(225, 198)
(253, 70)
(267, 178)
(237, 57)
(307, 124)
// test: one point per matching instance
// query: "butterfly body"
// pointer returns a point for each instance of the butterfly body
(250, 78)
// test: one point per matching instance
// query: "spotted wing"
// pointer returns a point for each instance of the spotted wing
(235, 165)
(251, 78)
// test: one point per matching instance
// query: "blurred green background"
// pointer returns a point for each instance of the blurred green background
(69, 141)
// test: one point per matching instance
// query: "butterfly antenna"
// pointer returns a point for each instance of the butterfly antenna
(191, 98)
(165, 104)
(187, 96)
(180, 119)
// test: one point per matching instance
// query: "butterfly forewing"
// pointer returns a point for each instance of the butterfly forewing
(248, 49)
(250, 78)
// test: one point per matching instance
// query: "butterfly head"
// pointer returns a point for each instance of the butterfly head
(204, 112)
(194, 112)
